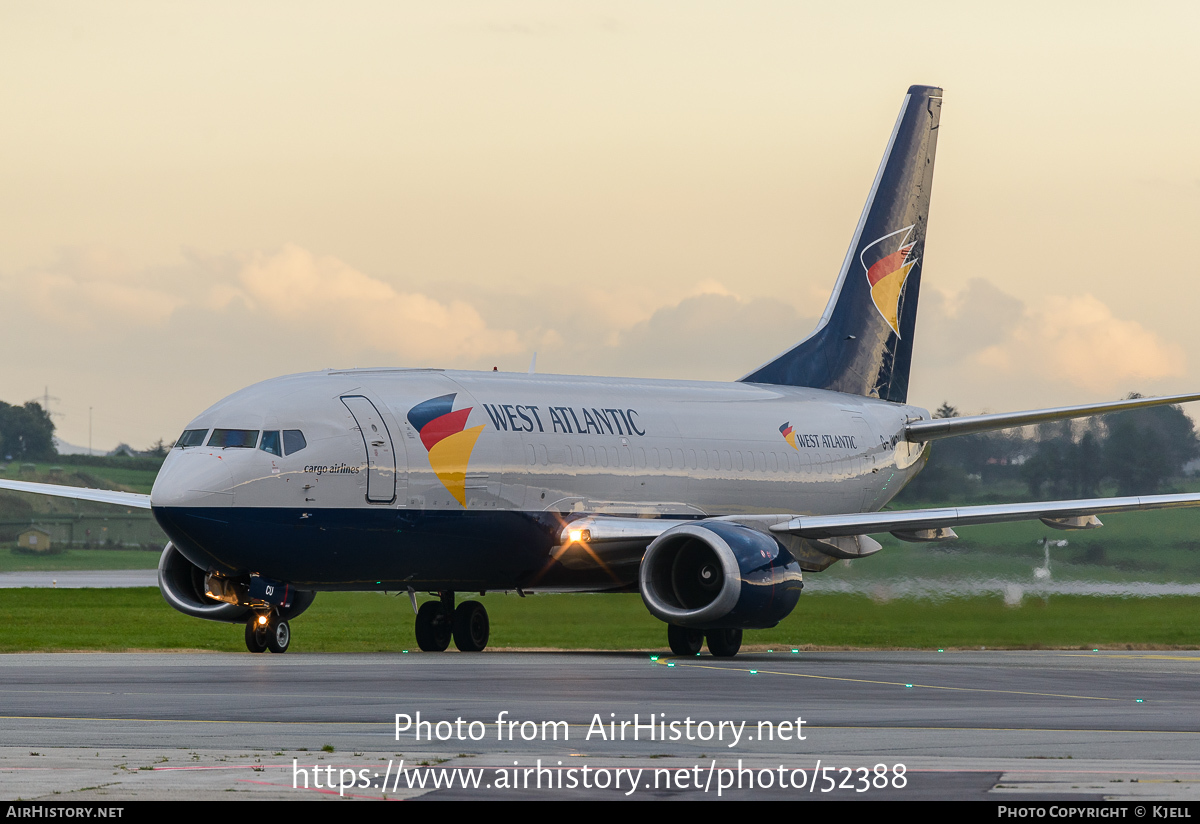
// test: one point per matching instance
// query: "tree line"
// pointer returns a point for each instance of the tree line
(26, 433)
(1128, 453)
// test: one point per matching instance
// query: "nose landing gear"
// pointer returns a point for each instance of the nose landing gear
(268, 632)
(438, 622)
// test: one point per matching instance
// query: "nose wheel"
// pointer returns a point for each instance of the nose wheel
(274, 634)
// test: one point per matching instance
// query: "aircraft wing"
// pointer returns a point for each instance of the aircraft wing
(105, 496)
(1060, 514)
(922, 431)
(912, 524)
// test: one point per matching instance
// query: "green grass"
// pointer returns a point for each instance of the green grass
(47, 619)
(1133, 546)
(98, 559)
(67, 474)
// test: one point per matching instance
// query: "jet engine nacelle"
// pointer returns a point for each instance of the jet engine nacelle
(183, 587)
(719, 575)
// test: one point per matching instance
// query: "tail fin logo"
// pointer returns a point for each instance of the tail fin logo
(448, 441)
(887, 269)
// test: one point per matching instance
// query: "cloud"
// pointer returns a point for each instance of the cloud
(88, 288)
(1080, 341)
(315, 301)
(108, 331)
(298, 287)
(712, 335)
(986, 344)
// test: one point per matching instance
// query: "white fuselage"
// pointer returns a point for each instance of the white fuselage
(530, 445)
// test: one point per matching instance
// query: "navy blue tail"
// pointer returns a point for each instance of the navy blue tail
(863, 343)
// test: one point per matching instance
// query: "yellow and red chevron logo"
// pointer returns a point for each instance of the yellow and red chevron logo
(789, 434)
(888, 272)
(448, 441)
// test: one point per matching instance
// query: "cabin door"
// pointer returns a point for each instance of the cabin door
(381, 454)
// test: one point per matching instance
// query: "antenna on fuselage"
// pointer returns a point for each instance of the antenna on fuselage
(533, 363)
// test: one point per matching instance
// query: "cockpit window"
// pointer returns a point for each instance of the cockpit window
(234, 438)
(192, 437)
(293, 440)
(270, 443)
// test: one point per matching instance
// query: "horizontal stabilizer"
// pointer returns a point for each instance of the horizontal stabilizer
(105, 496)
(923, 431)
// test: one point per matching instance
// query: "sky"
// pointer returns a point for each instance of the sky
(195, 197)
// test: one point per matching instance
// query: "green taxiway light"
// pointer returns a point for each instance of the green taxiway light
(908, 686)
(670, 663)
(1139, 700)
(795, 651)
(653, 657)
(754, 672)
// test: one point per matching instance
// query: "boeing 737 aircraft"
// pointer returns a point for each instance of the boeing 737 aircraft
(710, 499)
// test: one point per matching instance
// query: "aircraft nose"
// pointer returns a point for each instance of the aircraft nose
(193, 479)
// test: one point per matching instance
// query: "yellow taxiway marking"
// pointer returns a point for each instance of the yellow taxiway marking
(678, 663)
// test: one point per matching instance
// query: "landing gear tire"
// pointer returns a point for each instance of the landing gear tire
(685, 641)
(256, 636)
(433, 627)
(279, 635)
(724, 643)
(471, 627)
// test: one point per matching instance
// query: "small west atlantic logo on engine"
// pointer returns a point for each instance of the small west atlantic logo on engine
(448, 441)
(887, 265)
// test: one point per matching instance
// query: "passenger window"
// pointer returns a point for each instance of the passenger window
(293, 441)
(234, 438)
(270, 443)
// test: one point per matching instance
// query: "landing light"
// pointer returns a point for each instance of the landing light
(262, 620)
(580, 535)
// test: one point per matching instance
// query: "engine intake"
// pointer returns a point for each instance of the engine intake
(184, 587)
(719, 575)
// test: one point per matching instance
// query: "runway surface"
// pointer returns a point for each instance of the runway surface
(978, 724)
(936, 589)
(80, 579)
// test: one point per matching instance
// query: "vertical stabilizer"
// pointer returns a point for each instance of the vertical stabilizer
(863, 342)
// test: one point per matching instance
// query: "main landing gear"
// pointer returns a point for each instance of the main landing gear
(722, 643)
(439, 621)
(267, 631)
